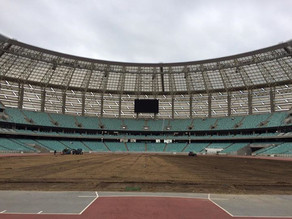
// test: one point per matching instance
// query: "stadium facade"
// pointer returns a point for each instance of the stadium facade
(239, 105)
(42, 80)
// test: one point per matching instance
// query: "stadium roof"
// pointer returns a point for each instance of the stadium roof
(260, 68)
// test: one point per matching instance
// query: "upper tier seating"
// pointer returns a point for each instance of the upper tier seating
(253, 121)
(63, 120)
(38, 118)
(277, 119)
(111, 124)
(82, 122)
(227, 122)
(16, 116)
(134, 124)
(204, 124)
(88, 122)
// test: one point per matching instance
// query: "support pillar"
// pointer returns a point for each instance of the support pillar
(249, 102)
(209, 105)
(229, 104)
(83, 104)
(191, 106)
(101, 105)
(43, 99)
(63, 101)
(20, 95)
(272, 99)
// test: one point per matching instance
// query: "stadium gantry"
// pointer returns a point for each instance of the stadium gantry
(41, 80)
(232, 105)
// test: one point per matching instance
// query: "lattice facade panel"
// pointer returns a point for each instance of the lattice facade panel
(9, 93)
(73, 102)
(200, 105)
(239, 102)
(32, 97)
(261, 101)
(219, 104)
(53, 101)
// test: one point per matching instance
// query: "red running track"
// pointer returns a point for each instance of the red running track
(141, 208)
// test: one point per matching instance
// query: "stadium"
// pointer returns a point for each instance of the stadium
(233, 112)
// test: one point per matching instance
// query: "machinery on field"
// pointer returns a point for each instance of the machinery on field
(192, 154)
(72, 151)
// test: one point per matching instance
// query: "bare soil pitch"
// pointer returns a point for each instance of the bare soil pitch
(146, 172)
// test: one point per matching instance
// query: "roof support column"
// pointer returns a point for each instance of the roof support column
(63, 101)
(20, 95)
(120, 105)
(101, 105)
(209, 105)
(272, 99)
(83, 103)
(228, 104)
(172, 107)
(249, 102)
(43, 99)
(191, 106)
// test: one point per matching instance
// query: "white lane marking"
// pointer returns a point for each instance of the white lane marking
(3, 211)
(209, 197)
(84, 196)
(263, 216)
(220, 199)
(40, 212)
(96, 197)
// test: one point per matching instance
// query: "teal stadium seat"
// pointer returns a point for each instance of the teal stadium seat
(225, 123)
(196, 147)
(277, 119)
(204, 124)
(175, 147)
(11, 145)
(64, 120)
(253, 121)
(111, 124)
(134, 124)
(116, 146)
(88, 122)
(155, 147)
(96, 146)
(278, 149)
(38, 118)
(16, 116)
(52, 145)
(137, 147)
(233, 148)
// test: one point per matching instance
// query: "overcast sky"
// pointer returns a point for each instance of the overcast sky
(148, 30)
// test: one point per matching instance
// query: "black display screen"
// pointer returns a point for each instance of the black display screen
(146, 106)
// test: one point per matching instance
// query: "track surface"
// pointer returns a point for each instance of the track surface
(141, 205)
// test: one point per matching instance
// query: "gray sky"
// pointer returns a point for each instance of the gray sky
(148, 30)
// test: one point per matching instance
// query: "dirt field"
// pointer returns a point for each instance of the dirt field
(145, 172)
